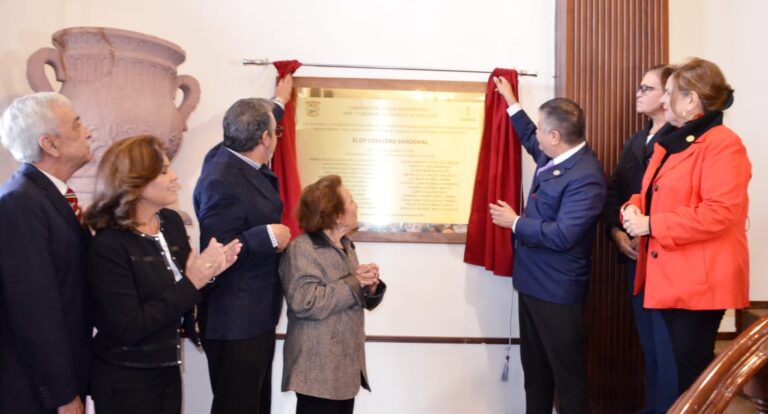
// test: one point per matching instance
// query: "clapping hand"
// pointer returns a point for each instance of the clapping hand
(73, 407)
(215, 259)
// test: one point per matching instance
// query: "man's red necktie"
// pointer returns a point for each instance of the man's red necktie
(72, 200)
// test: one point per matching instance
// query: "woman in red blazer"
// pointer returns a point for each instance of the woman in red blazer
(693, 258)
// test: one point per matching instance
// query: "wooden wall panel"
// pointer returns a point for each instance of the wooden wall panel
(603, 47)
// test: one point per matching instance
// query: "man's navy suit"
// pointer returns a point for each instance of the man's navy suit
(553, 237)
(44, 326)
(241, 308)
(234, 200)
(553, 247)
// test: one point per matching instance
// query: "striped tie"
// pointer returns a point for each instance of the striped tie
(72, 200)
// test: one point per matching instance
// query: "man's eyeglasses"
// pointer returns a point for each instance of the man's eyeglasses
(645, 88)
(279, 132)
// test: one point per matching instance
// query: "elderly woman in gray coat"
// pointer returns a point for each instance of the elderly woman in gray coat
(326, 290)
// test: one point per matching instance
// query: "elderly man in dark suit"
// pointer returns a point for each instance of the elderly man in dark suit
(237, 196)
(44, 326)
(553, 245)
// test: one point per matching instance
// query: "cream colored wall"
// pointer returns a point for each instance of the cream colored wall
(431, 291)
(732, 34)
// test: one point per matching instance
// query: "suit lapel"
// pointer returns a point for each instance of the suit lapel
(641, 150)
(682, 142)
(558, 170)
(537, 178)
(270, 176)
(639, 147)
(261, 183)
(253, 176)
(58, 201)
(674, 160)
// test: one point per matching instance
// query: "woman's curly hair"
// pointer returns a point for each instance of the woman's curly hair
(320, 204)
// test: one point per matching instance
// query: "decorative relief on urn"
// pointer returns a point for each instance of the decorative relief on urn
(122, 83)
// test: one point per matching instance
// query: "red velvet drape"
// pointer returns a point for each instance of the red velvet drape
(498, 178)
(284, 160)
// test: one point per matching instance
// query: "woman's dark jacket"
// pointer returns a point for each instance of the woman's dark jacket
(627, 177)
(138, 305)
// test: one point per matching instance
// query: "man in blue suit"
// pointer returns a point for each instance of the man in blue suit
(44, 327)
(553, 246)
(237, 196)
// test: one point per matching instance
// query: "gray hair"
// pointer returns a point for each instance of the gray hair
(564, 116)
(245, 122)
(26, 120)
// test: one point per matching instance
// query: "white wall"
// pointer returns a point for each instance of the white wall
(732, 34)
(431, 291)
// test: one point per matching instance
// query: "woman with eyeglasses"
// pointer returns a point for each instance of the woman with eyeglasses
(660, 374)
(691, 217)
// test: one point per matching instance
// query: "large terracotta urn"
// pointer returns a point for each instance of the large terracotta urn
(122, 83)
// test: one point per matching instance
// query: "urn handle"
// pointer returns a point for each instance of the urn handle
(36, 69)
(191, 89)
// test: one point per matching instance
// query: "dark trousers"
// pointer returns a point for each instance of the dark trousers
(307, 404)
(553, 356)
(241, 374)
(118, 390)
(660, 367)
(693, 334)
